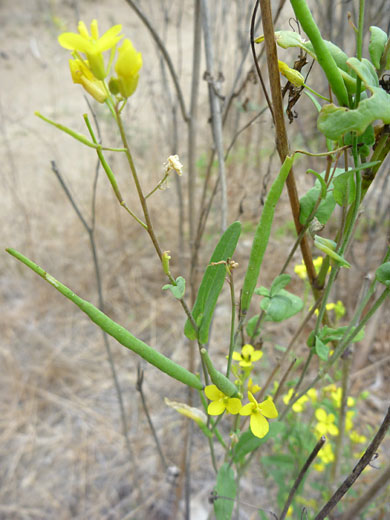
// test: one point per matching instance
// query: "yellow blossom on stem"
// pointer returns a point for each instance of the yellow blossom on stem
(259, 412)
(127, 67)
(357, 438)
(81, 74)
(336, 396)
(91, 45)
(300, 269)
(252, 387)
(325, 422)
(221, 402)
(349, 421)
(248, 356)
(299, 405)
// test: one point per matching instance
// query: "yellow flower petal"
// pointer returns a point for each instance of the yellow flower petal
(233, 405)
(268, 409)
(236, 356)
(247, 409)
(216, 408)
(259, 425)
(257, 354)
(320, 415)
(213, 393)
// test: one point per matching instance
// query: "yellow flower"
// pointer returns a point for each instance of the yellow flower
(91, 45)
(82, 74)
(300, 269)
(357, 438)
(221, 402)
(325, 422)
(253, 388)
(299, 405)
(127, 67)
(312, 394)
(349, 421)
(258, 412)
(292, 75)
(248, 356)
(326, 454)
(336, 396)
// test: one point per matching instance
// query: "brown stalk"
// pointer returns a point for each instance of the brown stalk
(281, 133)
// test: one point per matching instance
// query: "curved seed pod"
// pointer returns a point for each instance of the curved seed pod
(115, 330)
(222, 382)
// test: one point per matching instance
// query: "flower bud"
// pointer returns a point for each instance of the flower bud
(127, 67)
(82, 74)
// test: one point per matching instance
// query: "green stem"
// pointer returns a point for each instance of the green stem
(233, 304)
(115, 330)
(324, 57)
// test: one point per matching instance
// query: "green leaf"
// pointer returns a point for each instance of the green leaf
(281, 306)
(250, 326)
(344, 185)
(262, 291)
(334, 122)
(383, 274)
(248, 442)
(286, 39)
(226, 487)
(378, 40)
(321, 349)
(308, 202)
(177, 290)
(279, 283)
(365, 70)
(212, 284)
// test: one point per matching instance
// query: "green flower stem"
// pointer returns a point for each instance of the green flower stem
(157, 186)
(359, 49)
(115, 330)
(141, 196)
(233, 305)
(79, 137)
(110, 174)
(324, 57)
(149, 226)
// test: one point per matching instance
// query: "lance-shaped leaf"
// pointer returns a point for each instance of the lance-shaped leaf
(212, 284)
(226, 487)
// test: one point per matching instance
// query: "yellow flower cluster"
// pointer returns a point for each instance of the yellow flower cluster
(300, 269)
(88, 66)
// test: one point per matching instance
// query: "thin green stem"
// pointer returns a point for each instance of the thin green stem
(232, 322)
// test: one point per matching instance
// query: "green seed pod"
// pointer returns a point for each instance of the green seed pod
(221, 382)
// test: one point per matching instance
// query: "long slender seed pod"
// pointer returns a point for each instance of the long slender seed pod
(115, 330)
(262, 234)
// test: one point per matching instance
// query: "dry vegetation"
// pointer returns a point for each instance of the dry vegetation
(62, 453)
